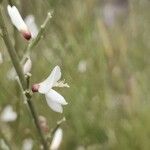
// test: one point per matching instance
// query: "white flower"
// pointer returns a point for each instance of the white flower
(11, 74)
(27, 66)
(30, 22)
(27, 144)
(82, 66)
(57, 139)
(18, 21)
(8, 114)
(54, 99)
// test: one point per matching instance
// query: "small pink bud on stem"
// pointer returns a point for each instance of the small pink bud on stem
(26, 35)
(35, 87)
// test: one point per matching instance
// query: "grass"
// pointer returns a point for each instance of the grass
(109, 102)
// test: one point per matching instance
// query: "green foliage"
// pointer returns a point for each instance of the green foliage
(108, 103)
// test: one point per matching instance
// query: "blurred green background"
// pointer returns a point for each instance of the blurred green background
(103, 49)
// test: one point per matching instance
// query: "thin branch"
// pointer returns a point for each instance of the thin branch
(50, 135)
(12, 51)
(35, 41)
(10, 2)
(58, 125)
(21, 76)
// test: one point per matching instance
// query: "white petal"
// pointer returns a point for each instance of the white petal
(55, 97)
(27, 144)
(11, 74)
(8, 114)
(82, 66)
(57, 139)
(54, 106)
(48, 83)
(27, 66)
(16, 18)
(30, 22)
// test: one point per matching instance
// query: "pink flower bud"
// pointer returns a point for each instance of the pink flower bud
(30, 22)
(26, 35)
(35, 87)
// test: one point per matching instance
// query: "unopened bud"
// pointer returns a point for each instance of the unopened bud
(27, 66)
(30, 22)
(26, 34)
(35, 87)
(43, 124)
(57, 139)
(18, 22)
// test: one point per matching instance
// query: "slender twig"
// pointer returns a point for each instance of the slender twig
(12, 51)
(35, 41)
(51, 134)
(21, 76)
(10, 2)
(28, 77)
(58, 125)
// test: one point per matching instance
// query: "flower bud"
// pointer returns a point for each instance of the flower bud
(43, 124)
(18, 22)
(57, 139)
(30, 22)
(35, 87)
(8, 114)
(27, 66)
(27, 144)
(26, 34)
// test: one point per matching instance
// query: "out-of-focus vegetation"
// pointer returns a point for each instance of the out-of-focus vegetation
(105, 62)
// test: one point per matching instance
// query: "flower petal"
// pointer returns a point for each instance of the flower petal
(16, 18)
(56, 139)
(48, 83)
(27, 66)
(54, 105)
(30, 22)
(8, 114)
(55, 97)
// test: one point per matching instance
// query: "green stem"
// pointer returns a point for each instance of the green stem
(10, 2)
(58, 125)
(12, 51)
(21, 76)
(49, 137)
(37, 39)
